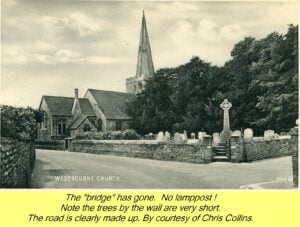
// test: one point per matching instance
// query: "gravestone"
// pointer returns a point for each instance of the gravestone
(151, 136)
(177, 137)
(207, 140)
(225, 134)
(160, 136)
(193, 136)
(216, 138)
(184, 136)
(201, 135)
(269, 135)
(167, 136)
(237, 133)
(248, 134)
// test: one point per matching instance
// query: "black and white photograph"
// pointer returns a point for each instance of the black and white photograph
(149, 94)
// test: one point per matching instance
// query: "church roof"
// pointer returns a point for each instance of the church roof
(62, 106)
(111, 103)
(86, 107)
(59, 106)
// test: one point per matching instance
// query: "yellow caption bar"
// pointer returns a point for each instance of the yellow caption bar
(149, 208)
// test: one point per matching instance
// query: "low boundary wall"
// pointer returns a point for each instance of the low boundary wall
(50, 144)
(193, 153)
(263, 149)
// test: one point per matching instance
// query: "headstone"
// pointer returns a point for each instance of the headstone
(184, 136)
(193, 136)
(207, 140)
(160, 136)
(225, 134)
(167, 136)
(216, 138)
(269, 134)
(151, 136)
(177, 138)
(248, 134)
(201, 135)
(237, 133)
(297, 123)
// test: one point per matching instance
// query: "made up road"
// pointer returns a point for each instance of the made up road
(63, 169)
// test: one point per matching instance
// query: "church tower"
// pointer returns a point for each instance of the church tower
(144, 68)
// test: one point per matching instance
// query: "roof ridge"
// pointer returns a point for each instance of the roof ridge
(58, 96)
(121, 92)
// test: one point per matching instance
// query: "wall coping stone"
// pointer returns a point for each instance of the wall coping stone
(133, 142)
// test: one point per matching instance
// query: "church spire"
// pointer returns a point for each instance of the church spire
(144, 67)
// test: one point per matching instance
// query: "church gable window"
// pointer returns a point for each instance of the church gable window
(86, 128)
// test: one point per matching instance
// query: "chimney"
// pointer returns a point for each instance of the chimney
(76, 93)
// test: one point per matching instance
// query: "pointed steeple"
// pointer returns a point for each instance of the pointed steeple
(144, 67)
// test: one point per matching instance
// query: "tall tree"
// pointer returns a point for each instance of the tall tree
(277, 77)
(260, 80)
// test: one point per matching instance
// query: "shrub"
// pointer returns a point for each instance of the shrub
(18, 123)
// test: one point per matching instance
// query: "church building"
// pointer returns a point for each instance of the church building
(98, 110)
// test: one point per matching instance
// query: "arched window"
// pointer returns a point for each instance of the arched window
(44, 121)
(118, 125)
(86, 128)
(61, 127)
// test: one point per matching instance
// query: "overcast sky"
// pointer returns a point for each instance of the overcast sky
(52, 47)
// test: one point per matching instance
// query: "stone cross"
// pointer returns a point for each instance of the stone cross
(225, 134)
(225, 105)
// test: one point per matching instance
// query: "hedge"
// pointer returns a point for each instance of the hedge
(18, 123)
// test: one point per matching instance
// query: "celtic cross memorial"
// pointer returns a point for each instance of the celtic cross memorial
(225, 134)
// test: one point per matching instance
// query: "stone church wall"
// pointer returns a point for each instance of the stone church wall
(131, 85)
(16, 163)
(44, 132)
(192, 153)
(125, 125)
(111, 125)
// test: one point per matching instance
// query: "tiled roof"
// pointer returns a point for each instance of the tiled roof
(62, 106)
(59, 106)
(112, 103)
(86, 107)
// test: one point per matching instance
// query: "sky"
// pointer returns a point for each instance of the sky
(52, 47)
